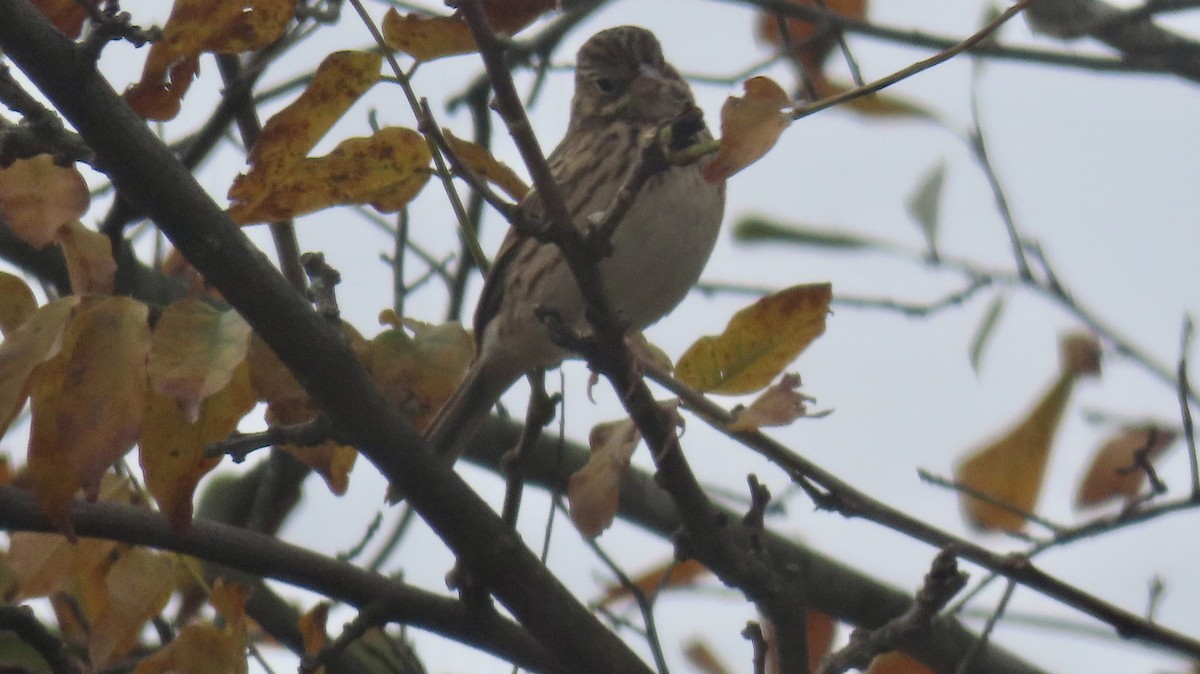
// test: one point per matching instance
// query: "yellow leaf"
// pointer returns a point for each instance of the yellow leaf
(779, 405)
(202, 648)
(758, 343)
(139, 585)
(293, 132)
(90, 263)
(17, 303)
(1114, 472)
(197, 26)
(331, 460)
(103, 398)
(37, 198)
(430, 37)
(593, 491)
(172, 447)
(418, 373)
(47, 563)
(385, 170)
(44, 564)
(36, 341)
(1011, 470)
(479, 160)
(749, 127)
(194, 352)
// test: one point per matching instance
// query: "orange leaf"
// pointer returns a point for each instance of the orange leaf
(66, 15)
(172, 447)
(779, 405)
(197, 26)
(1012, 469)
(103, 398)
(749, 127)
(669, 575)
(331, 460)
(811, 42)
(488, 167)
(430, 37)
(896, 662)
(877, 105)
(1114, 472)
(418, 373)
(758, 343)
(593, 491)
(820, 640)
(312, 629)
(194, 352)
(90, 263)
(139, 585)
(37, 198)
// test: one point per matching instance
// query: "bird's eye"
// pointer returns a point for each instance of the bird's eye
(605, 85)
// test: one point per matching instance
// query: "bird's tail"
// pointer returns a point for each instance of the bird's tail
(451, 431)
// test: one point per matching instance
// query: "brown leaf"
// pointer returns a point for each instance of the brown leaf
(37, 198)
(194, 352)
(758, 343)
(779, 405)
(194, 27)
(749, 127)
(171, 449)
(481, 161)
(430, 37)
(1079, 355)
(593, 491)
(139, 585)
(1114, 472)
(90, 263)
(703, 659)
(17, 304)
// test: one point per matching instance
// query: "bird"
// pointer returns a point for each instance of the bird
(625, 91)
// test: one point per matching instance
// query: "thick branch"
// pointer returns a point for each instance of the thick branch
(269, 557)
